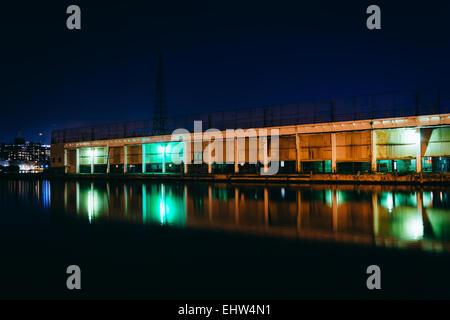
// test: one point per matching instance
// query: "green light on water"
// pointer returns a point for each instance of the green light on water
(427, 199)
(414, 228)
(92, 204)
(161, 206)
(389, 202)
(144, 202)
(329, 197)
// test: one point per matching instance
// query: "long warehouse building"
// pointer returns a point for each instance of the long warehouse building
(317, 137)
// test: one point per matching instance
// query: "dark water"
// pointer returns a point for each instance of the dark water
(197, 240)
(379, 216)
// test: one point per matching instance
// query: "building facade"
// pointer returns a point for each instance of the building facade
(389, 133)
(408, 144)
(28, 156)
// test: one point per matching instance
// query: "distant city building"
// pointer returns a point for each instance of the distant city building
(27, 156)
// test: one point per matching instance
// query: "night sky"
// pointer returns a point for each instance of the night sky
(218, 55)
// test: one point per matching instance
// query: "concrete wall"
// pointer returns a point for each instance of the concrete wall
(315, 147)
(134, 154)
(72, 161)
(116, 155)
(436, 142)
(353, 146)
(396, 143)
(57, 155)
(288, 150)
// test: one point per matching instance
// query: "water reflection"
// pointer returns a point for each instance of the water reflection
(23, 193)
(382, 216)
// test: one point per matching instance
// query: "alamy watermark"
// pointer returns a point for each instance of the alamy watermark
(73, 22)
(374, 280)
(228, 147)
(74, 280)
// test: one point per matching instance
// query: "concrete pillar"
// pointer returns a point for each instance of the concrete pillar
(92, 156)
(164, 160)
(418, 151)
(125, 156)
(333, 152)
(266, 155)
(210, 162)
(66, 167)
(108, 161)
(297, 148)
(143, 158)
(186, 154)
(236, 158)
(373, 151)
(78, 160)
